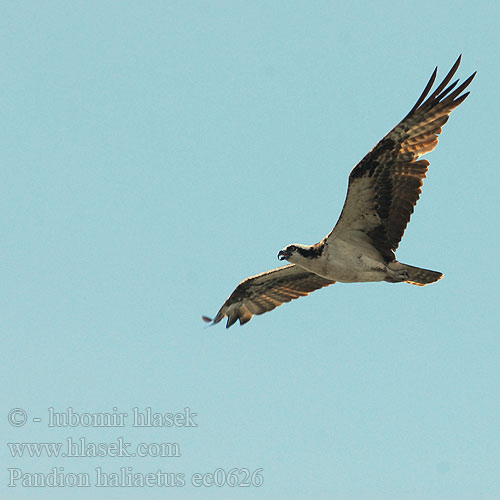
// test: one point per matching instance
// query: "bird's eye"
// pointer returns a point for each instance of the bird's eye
(292, 248)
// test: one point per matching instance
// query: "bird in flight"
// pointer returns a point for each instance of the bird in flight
(383, 189)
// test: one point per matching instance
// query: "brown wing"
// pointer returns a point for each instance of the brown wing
(385, 185)
(266, 291)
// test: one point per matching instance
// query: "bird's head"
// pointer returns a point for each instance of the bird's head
(296, 253)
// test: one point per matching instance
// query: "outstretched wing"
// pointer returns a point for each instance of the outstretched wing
(263, 292)
(385, 185)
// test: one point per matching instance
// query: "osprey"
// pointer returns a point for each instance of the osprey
(383, 189)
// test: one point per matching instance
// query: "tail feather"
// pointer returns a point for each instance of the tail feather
(421, 277)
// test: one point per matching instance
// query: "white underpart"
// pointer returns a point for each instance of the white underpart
(350, 261)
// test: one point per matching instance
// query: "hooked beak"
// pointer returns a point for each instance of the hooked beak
(283, 255)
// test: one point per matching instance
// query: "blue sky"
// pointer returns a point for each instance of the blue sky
(157, 153)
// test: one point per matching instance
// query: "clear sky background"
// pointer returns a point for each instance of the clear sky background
(156, 153)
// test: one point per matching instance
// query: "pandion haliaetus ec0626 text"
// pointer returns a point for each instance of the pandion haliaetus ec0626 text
(383, 189)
